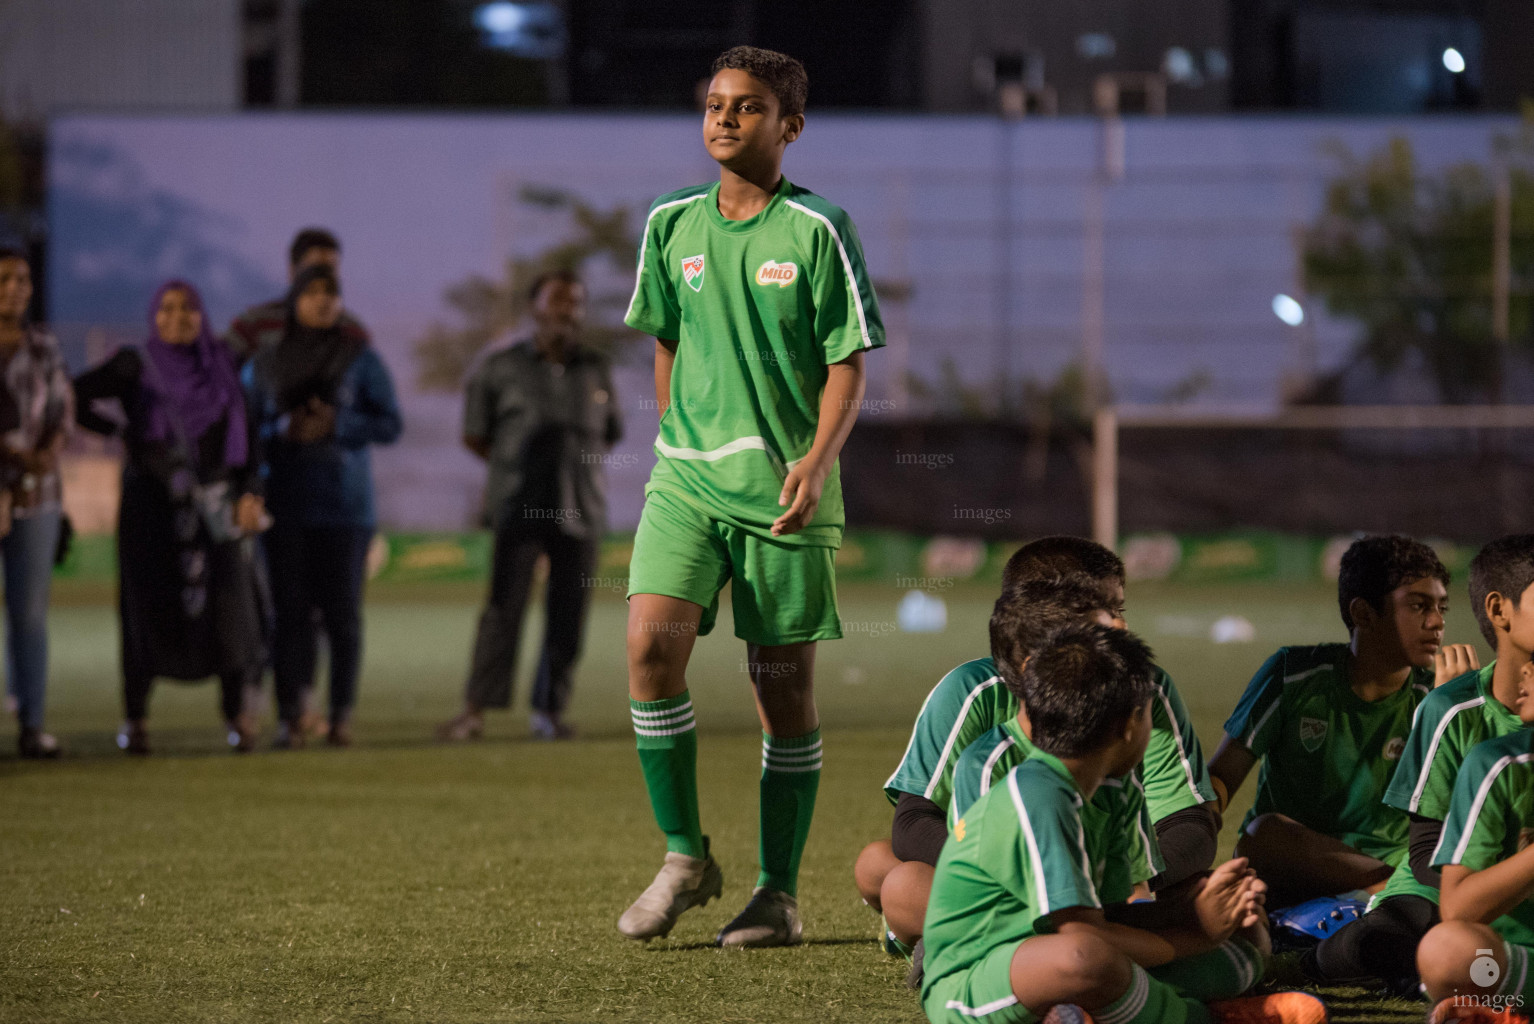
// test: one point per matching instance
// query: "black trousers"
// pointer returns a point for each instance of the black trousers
(316, 569)
(518, 543)
(231, 692)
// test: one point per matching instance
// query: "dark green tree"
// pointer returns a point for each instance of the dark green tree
(1408, 255)
(489, 309)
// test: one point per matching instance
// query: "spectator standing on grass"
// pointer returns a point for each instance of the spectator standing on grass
(262, 326)
(320, 397)
(36, 414)
(540, 411)
(191, 504)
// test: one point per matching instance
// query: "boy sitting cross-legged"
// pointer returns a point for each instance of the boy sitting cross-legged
(895, 875)
(1455, 717)
(1329, 722)
(1024, 913)
(1476, 963)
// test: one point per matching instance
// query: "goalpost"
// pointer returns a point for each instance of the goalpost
(1110, 419)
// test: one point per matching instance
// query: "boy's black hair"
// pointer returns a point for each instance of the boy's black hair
(783, 74)
(1505, 566)
(1028, 612)
(311, 238)
(1374, 566)
(564, 274)
(1052, 556)
(1082, 684)
(10, 252)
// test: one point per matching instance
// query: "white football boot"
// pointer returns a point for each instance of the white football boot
(683, 883)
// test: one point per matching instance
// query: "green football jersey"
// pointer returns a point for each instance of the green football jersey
(1327, 754)
(965, 703)
(1491, 817)
(987, 761)
(1452, 719)
(1024, 851)
(758, 309)
(971, 700)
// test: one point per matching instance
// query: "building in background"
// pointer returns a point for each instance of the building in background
(1098, 56)
(1369, 57)
(138, 55)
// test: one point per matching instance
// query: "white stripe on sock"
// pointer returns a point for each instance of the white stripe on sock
(689, 727)
(635, 712)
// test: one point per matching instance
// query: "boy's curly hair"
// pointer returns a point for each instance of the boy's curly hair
(781, 73)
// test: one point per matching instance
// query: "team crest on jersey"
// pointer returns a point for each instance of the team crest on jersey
(780, 274)
(1313, 734)
(959, 829)
(1395, 748)
(692, 272)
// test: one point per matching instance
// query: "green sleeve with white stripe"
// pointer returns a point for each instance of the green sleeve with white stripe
(846, 312)
(966, 703)
(1255, 723)
(1478, 832)
(654, 309)
(1132, 855)
(1414, 769)
(1048, 846)
(1173, 768)
(972, 776)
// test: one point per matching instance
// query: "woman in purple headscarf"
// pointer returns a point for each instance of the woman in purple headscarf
(190, 589)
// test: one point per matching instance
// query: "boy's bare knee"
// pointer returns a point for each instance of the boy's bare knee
(1271, 828)
(904, 895)
(870, 869)
(1445, 955)
(1084, 969)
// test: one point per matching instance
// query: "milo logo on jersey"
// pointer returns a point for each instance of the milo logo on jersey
(1312, 733)
(780, 274)
(692, 272)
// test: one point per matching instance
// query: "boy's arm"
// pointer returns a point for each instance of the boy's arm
(839, 404)
(1230, 899)
(1229, 767)
(1485, 895)
(1250, 730)
(1481, 879)
(1422, 838)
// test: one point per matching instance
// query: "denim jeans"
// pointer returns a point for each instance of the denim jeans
(28, 552)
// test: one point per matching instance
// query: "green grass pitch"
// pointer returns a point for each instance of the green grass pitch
(402, 880)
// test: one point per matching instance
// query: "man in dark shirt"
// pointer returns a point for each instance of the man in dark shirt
(540, 411)
(263, 324)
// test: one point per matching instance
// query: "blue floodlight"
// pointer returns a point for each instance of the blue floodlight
(1288, 310)
(532, 30)
(1454, 60)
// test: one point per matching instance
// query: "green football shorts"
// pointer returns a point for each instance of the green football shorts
(981, 993)
(781, 593)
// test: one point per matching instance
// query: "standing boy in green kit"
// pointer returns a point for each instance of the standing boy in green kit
(761, 307)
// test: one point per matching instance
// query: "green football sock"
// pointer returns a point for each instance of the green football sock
(1225, 972)
(790, 779)
(1148, 1001)
(666, 734)
(1516, 980)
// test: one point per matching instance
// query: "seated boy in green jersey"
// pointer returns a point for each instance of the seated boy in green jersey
(757, 295)
(1479, 705)
(894, 876)
(1329, 721)
(1477, 962)
(1027, 909)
